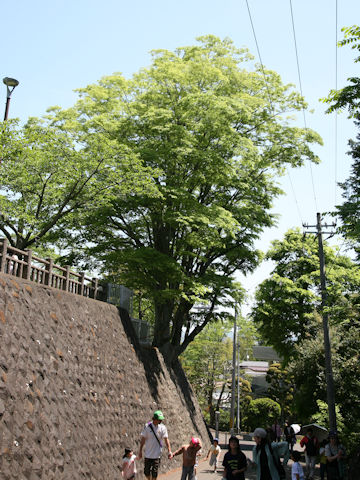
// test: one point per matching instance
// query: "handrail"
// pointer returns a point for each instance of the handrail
(19, 263)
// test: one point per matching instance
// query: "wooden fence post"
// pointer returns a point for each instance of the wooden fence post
(28, 265)
(82, 281)
(3, 257)
(48, 276)
(67, 278)
(95, 285)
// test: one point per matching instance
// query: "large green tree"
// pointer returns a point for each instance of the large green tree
(287, 302)
(216, 138)
(287, 314)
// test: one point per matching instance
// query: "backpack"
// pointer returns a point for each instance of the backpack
(311, 448)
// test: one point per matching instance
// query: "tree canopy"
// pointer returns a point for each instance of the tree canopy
(211, 140)
(48, 178)
(216, 138)
(287, 303)
(348, 98)
(287, 315)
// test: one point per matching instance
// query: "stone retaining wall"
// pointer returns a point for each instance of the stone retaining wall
(75, 389)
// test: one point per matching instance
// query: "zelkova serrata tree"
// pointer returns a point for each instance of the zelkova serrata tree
(215, 137)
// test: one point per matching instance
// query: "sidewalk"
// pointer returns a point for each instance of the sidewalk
(205, 472)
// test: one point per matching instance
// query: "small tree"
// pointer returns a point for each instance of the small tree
(281, 388)
(261, 412)
(321, 417)
(205, 363)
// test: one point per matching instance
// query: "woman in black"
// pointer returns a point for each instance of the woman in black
(234, 462)
(289, 436)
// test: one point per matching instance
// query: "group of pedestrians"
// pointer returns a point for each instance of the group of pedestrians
(269, 455)
(330, 452)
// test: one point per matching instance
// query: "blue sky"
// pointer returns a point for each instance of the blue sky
(53, 47)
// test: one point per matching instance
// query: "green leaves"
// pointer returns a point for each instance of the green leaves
(348, 96)
(49, 174)
(164, 180)
(286, 302)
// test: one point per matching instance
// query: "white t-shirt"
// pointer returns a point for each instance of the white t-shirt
(215, 450)
(297, 469)
(129, 467)
(152, 447)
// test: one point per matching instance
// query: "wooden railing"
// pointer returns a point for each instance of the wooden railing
(24, 264)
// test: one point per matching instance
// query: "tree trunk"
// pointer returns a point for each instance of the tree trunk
(163, 313)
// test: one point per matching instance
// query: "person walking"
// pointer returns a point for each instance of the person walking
(322, 459)
(267, 456)
(277, 431)
(335, 455)
(152, 438)
(290, 436)
(297, 472)
(214, 452)
(189, 453)
(311, 444)
(234, 461)
(128, 465)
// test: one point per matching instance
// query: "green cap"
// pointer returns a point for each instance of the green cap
(158, 415)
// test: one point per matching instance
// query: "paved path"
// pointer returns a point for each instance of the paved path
(205, 472)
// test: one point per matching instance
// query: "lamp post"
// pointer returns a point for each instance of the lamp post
(10, 83)
(233, 380)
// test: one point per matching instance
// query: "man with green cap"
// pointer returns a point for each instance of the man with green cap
(152, 437)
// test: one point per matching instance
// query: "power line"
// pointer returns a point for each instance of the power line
(270, 101)
(258, 51)
(293, 192)
(336, 87)
(301, 91)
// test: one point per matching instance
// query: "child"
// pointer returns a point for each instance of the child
(198, 455)
(322, 459)
(128, 465)
(215, 452)
(297, 472)
(234, 461)
(189, 458)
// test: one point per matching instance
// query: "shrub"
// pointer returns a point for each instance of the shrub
(261, 412)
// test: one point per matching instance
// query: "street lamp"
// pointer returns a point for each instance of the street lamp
(233, 380)
(10, 83)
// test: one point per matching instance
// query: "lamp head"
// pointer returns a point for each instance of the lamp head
(10, 82)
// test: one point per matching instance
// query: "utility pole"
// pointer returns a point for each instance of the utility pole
(327, 345)
(238, 390)
(233, 378)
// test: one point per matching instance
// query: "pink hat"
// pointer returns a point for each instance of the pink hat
(195, 441)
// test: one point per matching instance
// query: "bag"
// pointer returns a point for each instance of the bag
(279, 466)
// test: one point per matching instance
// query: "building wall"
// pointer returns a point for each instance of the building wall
(76, 389)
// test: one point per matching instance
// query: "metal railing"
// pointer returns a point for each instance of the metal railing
(23, 264)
